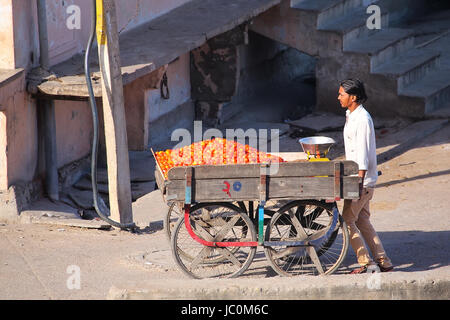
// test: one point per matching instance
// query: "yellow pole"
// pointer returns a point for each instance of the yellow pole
(101, 24)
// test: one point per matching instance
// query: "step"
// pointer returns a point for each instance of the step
(383, 45)
(326, 9)
(329, 9)
(340, 9)
(58, 214)
(315, 5)
(434, 88)
(353, 24)
(410, 66)
(441, 113)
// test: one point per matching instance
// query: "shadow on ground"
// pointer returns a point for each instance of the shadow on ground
(410, 251)
(413, 250)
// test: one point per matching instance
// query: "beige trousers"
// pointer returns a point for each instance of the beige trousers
(356, 215)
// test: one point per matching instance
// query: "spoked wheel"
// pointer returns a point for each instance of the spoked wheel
(324, 239)
(200, 212)
(174, 212)
(214, 222)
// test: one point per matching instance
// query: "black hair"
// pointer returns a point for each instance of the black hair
(355, 87)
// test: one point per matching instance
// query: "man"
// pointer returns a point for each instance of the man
(359, 142)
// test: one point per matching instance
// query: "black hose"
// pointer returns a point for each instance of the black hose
(97, 200)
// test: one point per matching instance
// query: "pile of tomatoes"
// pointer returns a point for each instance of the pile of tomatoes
(212, 152)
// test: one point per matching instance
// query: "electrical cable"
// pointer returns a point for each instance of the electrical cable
(98, 201)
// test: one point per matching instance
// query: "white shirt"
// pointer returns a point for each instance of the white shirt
(359, 142)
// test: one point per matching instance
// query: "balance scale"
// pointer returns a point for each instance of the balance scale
(317, 148)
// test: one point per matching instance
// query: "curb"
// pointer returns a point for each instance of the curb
(380, 286)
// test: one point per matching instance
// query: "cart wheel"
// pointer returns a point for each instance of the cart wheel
(306, 220)
(200, 212)
(214, 222)
(174, 212)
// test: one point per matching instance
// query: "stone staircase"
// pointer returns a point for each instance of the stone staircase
(403, 76)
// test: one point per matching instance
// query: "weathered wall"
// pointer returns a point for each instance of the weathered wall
(18, 39)
(3, 148)
(150, 118)
(178, 75)
(6, 35)
(18, 146)
(235, 68)
(137, 108)
(18, 134)
(73, 131)
(215, 75)
(64, 43)
(21, 152)
(26, 39)
(165, 115)
(266, 64)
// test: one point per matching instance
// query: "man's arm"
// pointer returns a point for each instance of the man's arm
(361, 174)
(362, 142)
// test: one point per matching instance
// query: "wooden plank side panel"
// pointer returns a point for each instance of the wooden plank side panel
(247, 189)
(285, 169)
(350, 188)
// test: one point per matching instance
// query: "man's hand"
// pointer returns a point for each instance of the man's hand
(361, 174)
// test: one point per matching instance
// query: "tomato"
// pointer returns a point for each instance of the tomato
(212, 152)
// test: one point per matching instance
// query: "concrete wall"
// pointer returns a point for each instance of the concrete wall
(26, 38)
(21, 153)
(6, 35)
(178, 75)
(165, 115)
(64, 43)
(18, 37)
(18, 134)
(147, 113)
(3, 146)
(18, 34)
(266, 64)
(73, 130)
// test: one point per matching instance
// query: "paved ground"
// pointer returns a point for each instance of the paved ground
(410, 212)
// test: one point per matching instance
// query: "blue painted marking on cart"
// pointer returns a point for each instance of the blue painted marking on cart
(187, 195)
(260, 223)
(237, 186)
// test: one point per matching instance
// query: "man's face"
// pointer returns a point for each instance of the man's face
(344, 98)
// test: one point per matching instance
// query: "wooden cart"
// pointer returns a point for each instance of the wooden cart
(288, 208)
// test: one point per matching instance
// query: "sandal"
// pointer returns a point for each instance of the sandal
(362, 269)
